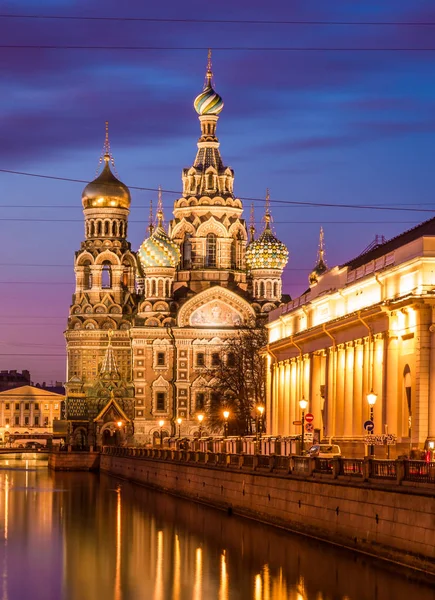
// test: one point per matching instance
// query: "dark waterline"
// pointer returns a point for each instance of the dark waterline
(80, 536)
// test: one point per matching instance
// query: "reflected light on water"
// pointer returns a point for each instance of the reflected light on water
(258, 588)
(5, 542)
(118, 591)
(158, 590)
(177, 569)
(223, 588)
(197, 590)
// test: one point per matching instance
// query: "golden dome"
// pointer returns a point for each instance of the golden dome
(106, 190)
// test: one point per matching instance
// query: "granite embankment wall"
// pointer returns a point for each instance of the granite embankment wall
(387, 521)
(74, 461)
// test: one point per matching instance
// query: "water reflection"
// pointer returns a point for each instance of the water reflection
(81, 537)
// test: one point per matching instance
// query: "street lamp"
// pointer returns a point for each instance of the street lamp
(226, 414)
(200, 418)
(161, 423)
(303, 405)
(179, 421)
(260, 419)
(119, 423)
(371, 399)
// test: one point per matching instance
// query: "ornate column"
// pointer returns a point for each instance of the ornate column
(431, 429)
(339, 378)
(287, 408)
(392, 376)
(358, 388)
(348, 390)
(331, 393)
(420, 410)
(378, 380)
(293, 395)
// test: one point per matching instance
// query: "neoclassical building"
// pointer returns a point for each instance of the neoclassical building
(364, 326)
(162, 316)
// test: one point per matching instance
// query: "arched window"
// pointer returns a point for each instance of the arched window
(106, 275)
(276, 289)
(261, 290)
(210, 181)
(187, 251)
(87, 276)
(268, 289)
(106, 227)
(125, 275)
(211, 250)
(153, 288)
(234, 254)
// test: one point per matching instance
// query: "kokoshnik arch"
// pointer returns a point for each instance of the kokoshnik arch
(144, 326)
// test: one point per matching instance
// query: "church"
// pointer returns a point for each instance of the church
(145, 326)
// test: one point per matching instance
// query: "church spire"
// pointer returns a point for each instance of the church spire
(267, 216)
(109, 367)
(151, 218)
(321, 265)
(159, 208)
(252, 223)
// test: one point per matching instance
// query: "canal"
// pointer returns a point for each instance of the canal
(83, 536)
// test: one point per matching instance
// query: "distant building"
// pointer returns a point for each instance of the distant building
(12, 379)
(28, 410)
(365, 326)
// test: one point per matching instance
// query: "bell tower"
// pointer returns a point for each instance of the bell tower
(103, 303)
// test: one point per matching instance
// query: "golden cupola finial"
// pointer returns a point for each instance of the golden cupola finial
(160, 215)
(106, 190)
(267, 216)
(252, 223)
(151, 218)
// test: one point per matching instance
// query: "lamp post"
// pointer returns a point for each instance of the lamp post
(179, 421)
(303, 405)
(371, 399)
(260, 409)
(161, 423)
(200, 418)
(226, 414)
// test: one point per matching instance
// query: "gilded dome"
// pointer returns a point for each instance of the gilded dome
(267, 252)
(208, 102)
(318, 270)
(159, 250)
(106, 190)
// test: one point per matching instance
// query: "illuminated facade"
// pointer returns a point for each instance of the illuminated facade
(168, 310)
(28, 410)
(367, 325)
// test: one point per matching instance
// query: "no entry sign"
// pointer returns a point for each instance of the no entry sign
(309, 418)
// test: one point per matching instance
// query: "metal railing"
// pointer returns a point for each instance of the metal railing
(382, 471)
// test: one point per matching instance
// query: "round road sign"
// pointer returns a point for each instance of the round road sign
(369, 425)
(309, 427)
(309, 418)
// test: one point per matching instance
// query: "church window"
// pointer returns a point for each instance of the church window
(160, 401)
(275, 293)
(187, 251)
(215, 359)
(199, 401)
(211, 250)
(153, 288)
(87, 277)
(200, 359)
(234, 254)
(268, 289)
(261, 289)
(125, 274)
(214, 399)
(106, 276)
(106, 227)
(210, 181)
(161, 359)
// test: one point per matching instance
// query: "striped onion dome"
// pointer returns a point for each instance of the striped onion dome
(159, 250)
(208, 102)
(267, 252)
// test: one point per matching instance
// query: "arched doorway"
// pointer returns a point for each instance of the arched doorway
(111, 437)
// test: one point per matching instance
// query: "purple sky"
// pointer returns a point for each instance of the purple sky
(331, 127)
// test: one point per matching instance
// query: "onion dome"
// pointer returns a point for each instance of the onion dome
(267, 252)
(208, 102)
(321, 265)
(158, 250)
(106, 190)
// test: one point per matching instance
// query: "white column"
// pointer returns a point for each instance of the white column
(348, 390)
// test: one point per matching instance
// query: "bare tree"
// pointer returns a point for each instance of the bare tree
(237, 381)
